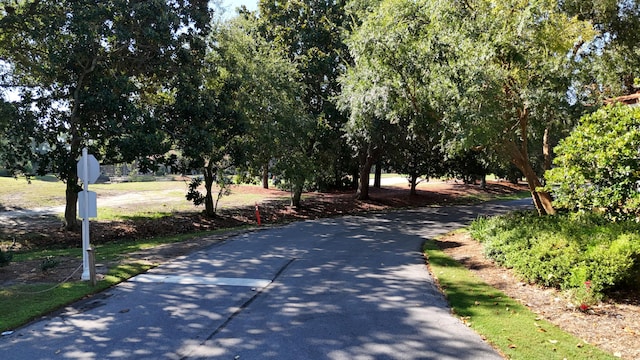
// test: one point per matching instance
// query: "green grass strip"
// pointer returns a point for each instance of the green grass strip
(23, 303)
(508, 325)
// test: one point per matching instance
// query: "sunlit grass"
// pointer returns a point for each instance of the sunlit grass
(140, 199)
(481, 197)
(144, 212)
(22, 303)
(36, 193)
(108, 188)
(511, 327)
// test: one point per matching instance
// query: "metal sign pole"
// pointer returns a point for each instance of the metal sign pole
(85, 219)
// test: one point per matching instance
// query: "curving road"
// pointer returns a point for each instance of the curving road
(347, 288)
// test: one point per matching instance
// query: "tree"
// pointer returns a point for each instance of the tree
(611, 66)
(468, 166)
(418, 155)
(512, 70)
(14, 149)
(389, 91)
(202, 116)
(596, 168)
(87, 73)
(364, 97)
(310, 34)
(494, 74)
(268, 97)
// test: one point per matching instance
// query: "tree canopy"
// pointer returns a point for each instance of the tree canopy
(614, 65)
(310, 32)
(310, 92)
(86, 73)
(268, 97)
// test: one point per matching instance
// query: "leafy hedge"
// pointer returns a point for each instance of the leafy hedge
(583, 252)
(597, 167)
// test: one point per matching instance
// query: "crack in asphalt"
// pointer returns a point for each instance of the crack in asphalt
(242, 307)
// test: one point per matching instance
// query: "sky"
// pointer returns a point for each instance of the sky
(231, 6)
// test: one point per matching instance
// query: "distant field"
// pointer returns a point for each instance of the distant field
(129, 198)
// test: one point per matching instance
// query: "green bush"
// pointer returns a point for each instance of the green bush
(5, 257)
(578, 251)
(49, 263)
(597, 167)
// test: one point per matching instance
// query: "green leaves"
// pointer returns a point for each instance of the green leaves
(612, 60)
(597, 165)
(565, 251)
(88, 74)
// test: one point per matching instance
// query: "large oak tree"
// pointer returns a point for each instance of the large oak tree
(85, 73)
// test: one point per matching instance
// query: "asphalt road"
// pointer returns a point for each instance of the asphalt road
(355, 287)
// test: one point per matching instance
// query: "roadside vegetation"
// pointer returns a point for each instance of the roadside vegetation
(508, 325)
(316, 94)
(57, 249)
(23, 302)
(584, 254)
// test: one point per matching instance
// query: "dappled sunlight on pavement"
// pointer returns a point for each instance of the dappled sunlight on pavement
(347, 288)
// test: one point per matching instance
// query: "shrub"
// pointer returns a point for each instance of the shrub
(49, 263)
(5, 257)
(565, 251)
(596, 167)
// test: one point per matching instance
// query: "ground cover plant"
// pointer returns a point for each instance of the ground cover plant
(579, 252)
(506, 323)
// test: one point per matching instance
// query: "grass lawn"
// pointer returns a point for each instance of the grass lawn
(119, 201)
(505, 323)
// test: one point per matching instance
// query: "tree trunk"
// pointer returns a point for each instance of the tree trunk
(377, 179)
(546, 149)
(355, 178)
(70, 210)
(209, 175)
(483, 181)
(366, 162)
(541, 199)
(520, 158)
(296, 196)
(265, 176)
(71, 194)
(363, 184)
(413, 181)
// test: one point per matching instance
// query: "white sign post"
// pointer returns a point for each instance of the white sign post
(88, 172)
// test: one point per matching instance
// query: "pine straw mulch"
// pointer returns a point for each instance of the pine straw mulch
(613, 326)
